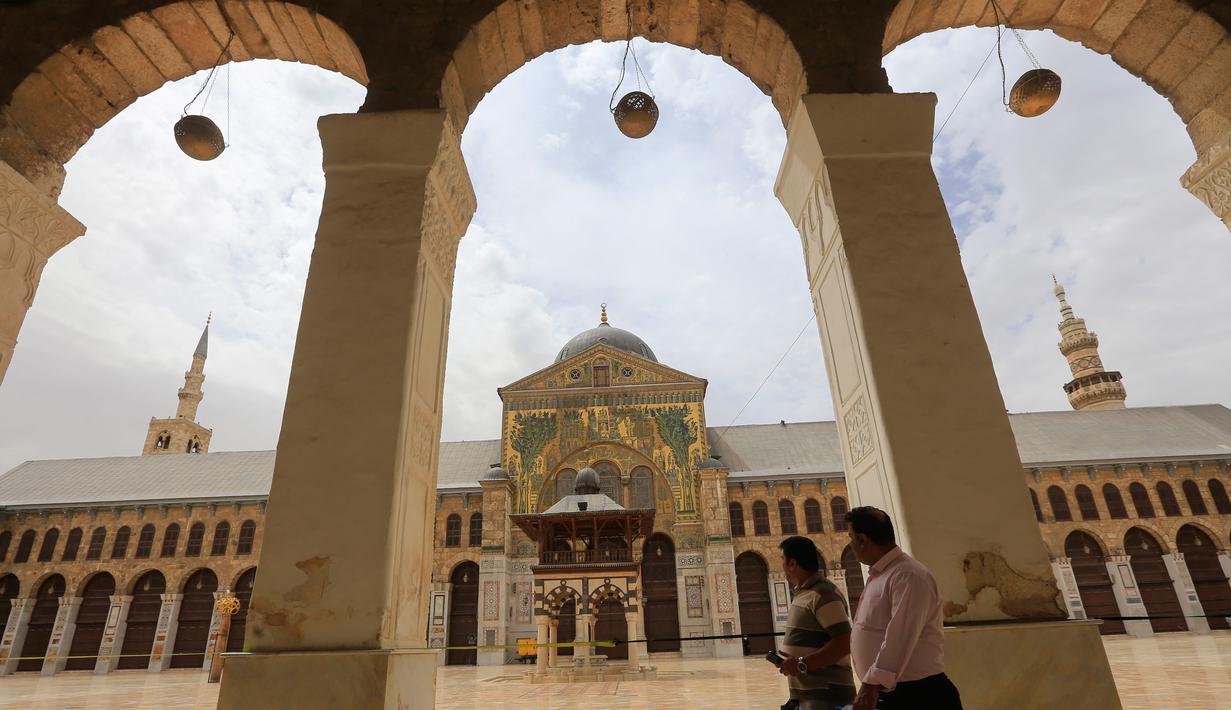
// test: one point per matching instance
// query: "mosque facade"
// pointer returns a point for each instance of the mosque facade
(116, 563)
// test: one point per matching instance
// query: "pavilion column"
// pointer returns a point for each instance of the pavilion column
(336, 606)
(553, 638)
(543, 622)
(113, 633)
(62, 635)
(15, 633)
(1209, 179)
(630, 618)
(164, 635)
(583, 651)
(32, 228)
(1186, 592)
(920, 416)
(1128, 595)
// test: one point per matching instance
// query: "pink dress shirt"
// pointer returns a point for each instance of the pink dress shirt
(897, 632)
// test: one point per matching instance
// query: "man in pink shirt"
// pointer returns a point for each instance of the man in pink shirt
(897, 646)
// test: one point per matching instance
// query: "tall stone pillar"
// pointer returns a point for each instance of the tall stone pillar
(583, 651)
(542, 622)
(62, 635)
(838, 577)
(1062, 568)
(553, 638)
(1224, 559)
(32, 228)
(15, 633)
(494, 583)
(920, 416)
(217, 629)
(1128, 595)
(630, 618)
(1186, 592)
(1209, 179)
(113, 633)
(723, 607)
(337, 606)
(164, 635)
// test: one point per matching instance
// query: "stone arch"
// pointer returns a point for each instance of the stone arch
(77, 89)
(1206, 529)
(78, 585)
(515, 32)
(129, 581)
(604, 592)
(558, 597)
(598, 452)
(1152, 533)
(238, 575)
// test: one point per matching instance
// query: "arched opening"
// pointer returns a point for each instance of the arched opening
(1085, 502)
(1192, 494)
(1213, 589)
(853, 574)
(566, 481)
(196, 539)
(98, 538)
(247, 538)
(72, 545)
(1094, 584)
(1114, 501)
(610, 625)
(24, 546)
(838, 508)
(566, 629)
(1034, 501)
(1154, 581)
(42, 621)
(170, 540)
(196, 613)
(463, 615)
(660, 594)
(609, 480)
(119, 547)
(239, 620)
(1166, 496)
(786, 516)
(735, 512)
(222, 535)
(142, 623)
(6, 539)
(145, 542)
(48, 549)
(642, 483)
(453, 530)
(1141, 500)
(756, 618)
(1059, 502)
(10, 586)
(476, 530)
(1217, 491)
(760, 518)
(812, 517)
(91, 621)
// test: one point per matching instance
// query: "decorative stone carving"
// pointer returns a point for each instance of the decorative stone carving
(32, 228)
(1209, 179)
(694, 586)
(859, 430)
(722, 587)
(491, 601)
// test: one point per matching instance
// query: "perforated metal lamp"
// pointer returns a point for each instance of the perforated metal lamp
(636, 114)
(199, 137)
(1034, 93)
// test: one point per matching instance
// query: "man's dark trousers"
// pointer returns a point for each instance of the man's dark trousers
(936, 692)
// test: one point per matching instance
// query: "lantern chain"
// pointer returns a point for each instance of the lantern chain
(210, 76)
(1002, 23)
(638, 74)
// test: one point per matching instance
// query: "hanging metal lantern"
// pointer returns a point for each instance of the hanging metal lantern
(199, 137)
(636, 114)
(1034, 93)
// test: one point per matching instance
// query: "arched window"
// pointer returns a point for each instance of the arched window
(48, 548)
(170, 539)
(1141, 500)
(222, 535)
(247, 538)
(72, 545)
(476, 530)
(643, 488)
(6, 539)
(609, 481)
(1034, 500)
(1085, 503)
(1059, 503)
(602, 373)
(1166, 496)
(1114, 501)
(1192, 494)
(98, 538)
(1217, 491)
(812, 516)
(24, 547)
(453, 531)
(145, 542)
(786, 516)
(196, 540)
(760, 518)
(119, 548)
(736, 512)
(837, 507)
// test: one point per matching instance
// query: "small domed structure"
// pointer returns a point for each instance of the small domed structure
(712, 462)
(587, 482)
(496, 473)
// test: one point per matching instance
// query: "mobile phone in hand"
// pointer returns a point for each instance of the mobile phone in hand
(774, 658)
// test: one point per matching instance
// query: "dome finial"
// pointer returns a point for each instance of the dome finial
(209, 319)
(604, 318)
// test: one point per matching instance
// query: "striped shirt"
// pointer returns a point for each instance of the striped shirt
(818, 614)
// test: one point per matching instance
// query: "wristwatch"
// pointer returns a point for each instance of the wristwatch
(803, 665)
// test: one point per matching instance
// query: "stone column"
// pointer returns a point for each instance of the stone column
(1224, 559)
(838, 577)
(493, 568)
(1209, 179)
(920, 416)
(1190, 603)
(164, 636)
(215, 632)
(542, 621)
(113, 633)
(630, 618)
(583, 652)
(62, 635)
(723, 606)
(15, 633)
(338, 605)
(1128, 596)
(32, 228)
(553, 638)
(1062, 568)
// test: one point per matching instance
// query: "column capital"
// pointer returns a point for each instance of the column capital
(171, 596)
(26, 214)
(1209, 179)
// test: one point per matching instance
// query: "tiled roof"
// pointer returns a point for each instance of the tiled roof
(1138, 433)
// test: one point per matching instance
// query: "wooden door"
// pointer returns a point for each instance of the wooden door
(1154, 582)
(42, 619)
(91, 620)
(854, 578)
(611, 626)
(1211, 584)
(196, 611)
(661, 594)
(9, 588)
(566, 632)
(464, 615)
(239, 621)
(755, 612)
(1094, 585)
(142, 621)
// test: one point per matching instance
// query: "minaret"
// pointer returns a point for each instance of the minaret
(182, 434)
(1092, 387)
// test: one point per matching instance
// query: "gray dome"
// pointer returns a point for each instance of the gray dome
(604, 333)
(712, 462)
(587, 482)
(495, 473)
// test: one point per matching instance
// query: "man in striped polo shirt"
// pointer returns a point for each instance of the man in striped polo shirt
(817, 644)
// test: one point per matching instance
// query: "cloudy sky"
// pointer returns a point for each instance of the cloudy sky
(679, 233)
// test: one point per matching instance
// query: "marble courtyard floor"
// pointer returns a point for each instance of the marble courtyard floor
(1166, 671)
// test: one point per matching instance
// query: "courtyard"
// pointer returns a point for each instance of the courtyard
(1168, 670)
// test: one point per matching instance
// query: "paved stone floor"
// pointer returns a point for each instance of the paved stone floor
(1167, 671)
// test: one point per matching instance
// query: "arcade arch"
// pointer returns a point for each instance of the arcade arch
(756, 619)
(463, 614)
(1154, 580)
(1088, 560)
(1209, 579)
